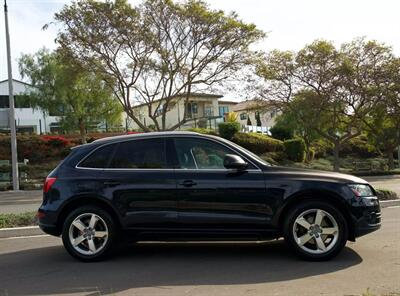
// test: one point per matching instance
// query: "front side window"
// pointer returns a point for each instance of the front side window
(99, 158)
(200, 154)
(140, 154)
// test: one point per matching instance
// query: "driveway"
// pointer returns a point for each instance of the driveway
(40, 266)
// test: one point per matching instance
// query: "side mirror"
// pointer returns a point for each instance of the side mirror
(234, 162)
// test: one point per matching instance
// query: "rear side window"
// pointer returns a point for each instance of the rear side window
(99, 158)
(140, 154)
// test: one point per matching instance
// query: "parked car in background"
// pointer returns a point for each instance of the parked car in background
(187, 186)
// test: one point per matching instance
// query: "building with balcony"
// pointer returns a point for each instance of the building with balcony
(202, 110)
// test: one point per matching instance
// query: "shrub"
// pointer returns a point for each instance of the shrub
(228, 129)
(56, 141)
(384, 194)
(281, 133)
(204, 131)
(295, 149)
(274, 157)
(257, 143)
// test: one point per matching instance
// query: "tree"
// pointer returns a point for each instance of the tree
(63, 87)
(156, 52)
(383, 122)
(324, 77)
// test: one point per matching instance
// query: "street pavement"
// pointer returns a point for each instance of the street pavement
(40, 266)
(24, 201)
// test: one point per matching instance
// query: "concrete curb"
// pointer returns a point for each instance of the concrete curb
(35, 230)
(20, 231)
(389, 203)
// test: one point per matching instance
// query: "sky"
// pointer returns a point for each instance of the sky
(289, 24)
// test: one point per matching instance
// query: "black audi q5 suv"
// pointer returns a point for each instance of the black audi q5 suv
(187, 186)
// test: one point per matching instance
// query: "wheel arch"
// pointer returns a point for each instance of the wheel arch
(327, 196)
(85, 200)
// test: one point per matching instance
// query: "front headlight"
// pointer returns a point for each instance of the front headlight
(361, 190)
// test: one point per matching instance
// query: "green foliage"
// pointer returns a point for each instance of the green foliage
(334, 91)
(281, 132)
(360, 147)
(228, 129)
(158, 48)
(295, 149)
(257, 143)
(384, 194)
(18, 220)
(204, 131)
(63, 87)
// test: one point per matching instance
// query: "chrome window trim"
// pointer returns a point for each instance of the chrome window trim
(172, 169)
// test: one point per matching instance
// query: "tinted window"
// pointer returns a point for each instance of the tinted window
(140, 154)
(200, 154)
(99, 158)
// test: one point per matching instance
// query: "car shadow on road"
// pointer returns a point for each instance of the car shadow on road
(50, 270)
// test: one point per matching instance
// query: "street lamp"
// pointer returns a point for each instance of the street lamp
(14, 159)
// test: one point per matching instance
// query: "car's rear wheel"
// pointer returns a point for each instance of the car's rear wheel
(315, 230)
(89, 233)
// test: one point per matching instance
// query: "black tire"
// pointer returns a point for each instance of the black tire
(107, 247)
(296, 211)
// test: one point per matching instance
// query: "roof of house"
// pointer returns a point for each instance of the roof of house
(16, 80)
(250, 105)
(227, 102)
(192, 95)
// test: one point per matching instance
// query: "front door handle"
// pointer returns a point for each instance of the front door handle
(111, 183)
(188, 183)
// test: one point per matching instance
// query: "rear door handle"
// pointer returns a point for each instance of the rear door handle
(111, 183)
(188, 183)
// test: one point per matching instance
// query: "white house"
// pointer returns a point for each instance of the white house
(27, 119)
(202, 110)
(255, 116)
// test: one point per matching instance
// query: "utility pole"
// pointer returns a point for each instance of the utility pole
(13, 138)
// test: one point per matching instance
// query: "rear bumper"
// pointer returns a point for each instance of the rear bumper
(48, 222)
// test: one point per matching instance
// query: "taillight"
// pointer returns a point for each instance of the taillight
(48, 183)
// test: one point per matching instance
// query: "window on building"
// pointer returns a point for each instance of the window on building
(243, 116)
(20, 101)
(194, 108)
(223, 110)
(208, 111)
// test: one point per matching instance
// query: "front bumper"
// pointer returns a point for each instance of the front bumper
(368, 218)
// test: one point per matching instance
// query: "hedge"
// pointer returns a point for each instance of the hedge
(228, 129)
(257, 143)
(295, 149)
(204, 131)
(384, 194)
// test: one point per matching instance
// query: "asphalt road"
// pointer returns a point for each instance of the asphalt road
(40, 266)
(23, 201)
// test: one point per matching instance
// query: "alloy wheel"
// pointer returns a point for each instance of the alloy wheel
(88, 234)
(315, 231)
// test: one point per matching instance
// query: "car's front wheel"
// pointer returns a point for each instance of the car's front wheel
(315, 230)
(89, 233)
